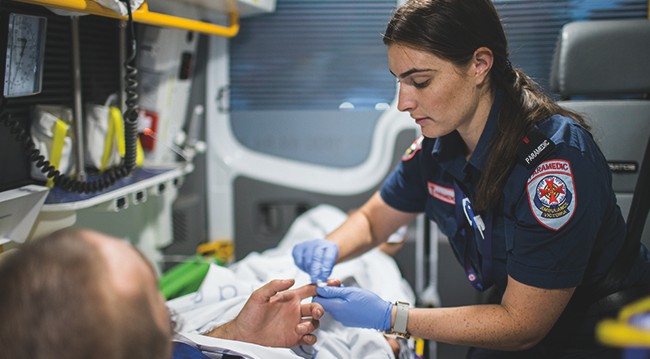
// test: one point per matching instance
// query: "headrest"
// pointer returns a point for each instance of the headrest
(602, 57)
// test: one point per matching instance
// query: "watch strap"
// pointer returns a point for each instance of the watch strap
(401, 320)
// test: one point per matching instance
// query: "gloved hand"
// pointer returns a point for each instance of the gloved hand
(355, 307)
(316, 257)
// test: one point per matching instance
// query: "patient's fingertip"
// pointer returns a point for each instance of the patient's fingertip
(317, 313)
(309, 339)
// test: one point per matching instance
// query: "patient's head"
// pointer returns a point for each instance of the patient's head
(81, 294)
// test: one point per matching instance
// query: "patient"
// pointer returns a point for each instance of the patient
(82, 294)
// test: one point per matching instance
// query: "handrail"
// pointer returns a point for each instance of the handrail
(143, 15)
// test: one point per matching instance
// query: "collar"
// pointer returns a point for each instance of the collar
(448, 149)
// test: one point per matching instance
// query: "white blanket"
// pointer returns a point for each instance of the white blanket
(225, 290)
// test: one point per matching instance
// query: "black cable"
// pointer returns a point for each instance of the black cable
(130, 117)
(131, 113)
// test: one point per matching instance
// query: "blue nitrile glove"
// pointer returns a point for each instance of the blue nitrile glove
(316, 257)
(355, 307)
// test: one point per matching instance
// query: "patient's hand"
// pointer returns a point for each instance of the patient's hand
(273, 316)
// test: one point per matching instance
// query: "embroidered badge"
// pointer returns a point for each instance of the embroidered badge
(442, 193)
(551, 193)
(413, 149)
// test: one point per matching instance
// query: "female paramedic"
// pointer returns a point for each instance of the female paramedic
(515, 182)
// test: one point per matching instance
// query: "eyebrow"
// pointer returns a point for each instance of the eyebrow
(410, 72)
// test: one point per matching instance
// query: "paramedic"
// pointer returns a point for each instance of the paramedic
(82, 294)
(514, 181)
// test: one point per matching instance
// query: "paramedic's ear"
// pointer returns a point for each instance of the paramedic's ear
(481, 64)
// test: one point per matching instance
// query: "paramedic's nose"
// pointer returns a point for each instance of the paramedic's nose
(405, 102)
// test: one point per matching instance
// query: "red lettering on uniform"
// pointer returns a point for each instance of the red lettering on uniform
(555, 165)
(445, 194)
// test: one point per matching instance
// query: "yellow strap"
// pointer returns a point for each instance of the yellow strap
(139, 154)
(59, 130)
(108, 141)
(118, 123)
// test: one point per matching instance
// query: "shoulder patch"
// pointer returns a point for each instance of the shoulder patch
(551, 193)
(533, 148)
(413, 149)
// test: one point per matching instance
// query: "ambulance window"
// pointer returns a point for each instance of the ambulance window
(309, 81)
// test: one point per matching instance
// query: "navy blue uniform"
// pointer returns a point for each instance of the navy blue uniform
(557, 225)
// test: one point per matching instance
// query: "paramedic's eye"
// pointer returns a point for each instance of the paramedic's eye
(421, 85)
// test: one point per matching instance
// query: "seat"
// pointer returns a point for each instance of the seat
(601, 69)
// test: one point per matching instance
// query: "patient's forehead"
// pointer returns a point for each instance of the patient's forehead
(130, 274)
(131, 278)
(128, 270)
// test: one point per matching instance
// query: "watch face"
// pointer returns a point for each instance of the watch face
(24, 60)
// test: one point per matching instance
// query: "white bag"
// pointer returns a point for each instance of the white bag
(52, 133)
(104, 136)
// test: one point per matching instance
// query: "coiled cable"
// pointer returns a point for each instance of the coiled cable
(131, 113)
(130, 117)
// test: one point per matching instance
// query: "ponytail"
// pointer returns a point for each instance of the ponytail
(525, 105)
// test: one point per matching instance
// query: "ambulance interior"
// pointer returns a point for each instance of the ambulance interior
(258, 123)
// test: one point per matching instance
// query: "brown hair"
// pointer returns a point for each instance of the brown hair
(453, 30)
(55, 302)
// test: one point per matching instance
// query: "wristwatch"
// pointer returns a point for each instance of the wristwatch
(401, 319)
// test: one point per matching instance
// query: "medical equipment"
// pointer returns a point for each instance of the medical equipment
(25, 48)
(23, 76)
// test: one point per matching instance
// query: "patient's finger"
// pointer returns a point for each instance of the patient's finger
(271, 288)
(334, 282)
(306, 291)
(314, 310)
(307, 326)
(309, 339)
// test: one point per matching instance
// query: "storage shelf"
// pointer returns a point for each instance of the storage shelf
(244, 8)
(134, 188)
(143, 15)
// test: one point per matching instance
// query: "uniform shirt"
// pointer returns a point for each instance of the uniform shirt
(553, 220)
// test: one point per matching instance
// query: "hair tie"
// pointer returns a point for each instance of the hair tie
(508, 66)
(509, 74)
